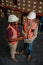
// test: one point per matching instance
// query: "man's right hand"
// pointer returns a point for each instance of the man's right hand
(25, 35)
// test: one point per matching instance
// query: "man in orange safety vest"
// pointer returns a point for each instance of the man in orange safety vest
(30, 31)
(12, 32)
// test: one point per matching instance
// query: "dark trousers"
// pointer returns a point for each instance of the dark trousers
(28, 46)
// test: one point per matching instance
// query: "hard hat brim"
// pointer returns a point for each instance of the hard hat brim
(31, 17)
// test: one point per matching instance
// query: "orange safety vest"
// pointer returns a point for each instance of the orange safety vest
(25, 26)
(14, 34)
(29, 33)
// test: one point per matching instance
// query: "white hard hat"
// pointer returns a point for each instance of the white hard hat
(12, 18)
(32, 15)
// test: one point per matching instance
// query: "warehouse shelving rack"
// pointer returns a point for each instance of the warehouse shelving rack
(16, 9)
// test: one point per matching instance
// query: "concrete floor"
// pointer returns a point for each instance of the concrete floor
(37, 56)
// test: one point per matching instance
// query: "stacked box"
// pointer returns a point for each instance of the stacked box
(2, 13)
(3, 2)
(9, 3)
(34, 5)
(24, 5)
(14, 6)
(19, 4)
(30, 5)
(8, 12)
(24, 2)
(12, 11)
(40, 7)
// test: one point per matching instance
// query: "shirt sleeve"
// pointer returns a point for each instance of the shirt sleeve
(35, 33)
(24, 28)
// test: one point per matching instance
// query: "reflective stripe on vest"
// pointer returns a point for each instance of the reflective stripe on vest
(14, 34)
(29, 33)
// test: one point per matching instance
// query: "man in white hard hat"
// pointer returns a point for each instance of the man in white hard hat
(30, 31)
(12, 32)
